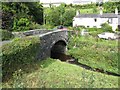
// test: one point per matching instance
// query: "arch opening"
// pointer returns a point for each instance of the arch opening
(58, 50)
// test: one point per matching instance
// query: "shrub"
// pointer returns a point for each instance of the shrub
(106, 27)
(35, 26)
(117, 29)
(92, 29)
(78, 28)
(18, 53)
(6, 35)
(95, 31)
(21, 24)
(48, 26)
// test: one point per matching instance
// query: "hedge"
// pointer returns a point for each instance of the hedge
(6, 35)
(19, 53)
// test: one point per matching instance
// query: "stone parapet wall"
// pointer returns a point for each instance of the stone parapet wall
(30, 32)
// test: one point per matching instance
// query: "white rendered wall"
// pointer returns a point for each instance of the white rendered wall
(91, 22)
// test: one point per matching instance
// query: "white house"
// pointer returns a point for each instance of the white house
(95, 20)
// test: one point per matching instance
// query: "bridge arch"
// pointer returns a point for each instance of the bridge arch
(57, 49)
(51, 43)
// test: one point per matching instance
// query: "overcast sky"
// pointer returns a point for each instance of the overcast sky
(66, 1)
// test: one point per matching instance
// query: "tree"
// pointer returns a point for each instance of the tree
(52, 16)
(36, 11)
(109, 7)
(59, 15)
(21, 14)
(68, 17)
(61, 10)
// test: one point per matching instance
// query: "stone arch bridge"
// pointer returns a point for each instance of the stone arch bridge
(52, 42)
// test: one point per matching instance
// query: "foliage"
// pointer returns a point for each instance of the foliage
(35, 26)
(95, 52)
(52, 16)
(22, 24)
(48, 26)
(89, 10)
(85, 6)
(95, 31)
(117, 29)
(35, 11)
(68, 17)
(95, 10)
(20, 14)
(51, 73)
(18, 53)
(59, 15)
(108, 9)
(6, 35)
(61, 10)
(106, 27)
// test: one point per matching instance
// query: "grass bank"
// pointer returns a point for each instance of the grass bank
(94, 52)
(51, 73)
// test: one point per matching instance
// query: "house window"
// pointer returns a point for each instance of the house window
(95, 20)
(110, 20)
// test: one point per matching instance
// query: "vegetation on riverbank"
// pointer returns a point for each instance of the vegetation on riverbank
(95, 52)
(6, 35)
(51, 73)
(22, 70)
(17, 54)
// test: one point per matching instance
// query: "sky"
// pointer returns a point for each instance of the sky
(67, 1)
(48, 1)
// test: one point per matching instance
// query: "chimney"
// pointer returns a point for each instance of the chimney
(116, 11)
(101, 11)
(77, 12)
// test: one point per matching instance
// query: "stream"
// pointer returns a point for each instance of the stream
(72, 60)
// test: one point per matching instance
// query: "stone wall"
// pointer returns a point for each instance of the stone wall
(30, 32)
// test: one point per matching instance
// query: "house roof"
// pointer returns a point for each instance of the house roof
(109, 15)
(104, 15)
